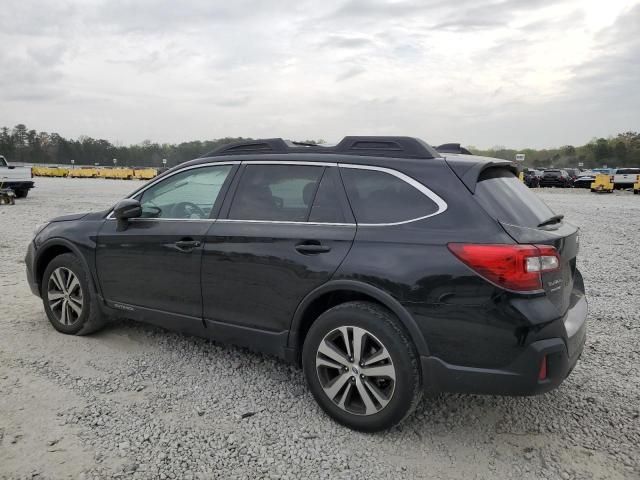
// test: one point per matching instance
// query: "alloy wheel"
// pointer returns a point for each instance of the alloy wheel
(64, 294)
(355, 370)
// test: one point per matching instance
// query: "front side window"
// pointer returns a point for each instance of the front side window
(276, 193)
(186, 195)
(379, 197)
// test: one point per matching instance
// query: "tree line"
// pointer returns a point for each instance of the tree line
(20, 144)
(623, 150)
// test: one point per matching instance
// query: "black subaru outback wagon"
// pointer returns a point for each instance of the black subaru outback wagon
(381, 266)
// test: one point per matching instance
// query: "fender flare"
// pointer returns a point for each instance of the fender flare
(63, 242)
(360, 287)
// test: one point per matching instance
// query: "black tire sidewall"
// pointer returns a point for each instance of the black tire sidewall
(72, 263)
(402, 354)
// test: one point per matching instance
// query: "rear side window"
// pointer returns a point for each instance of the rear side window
(506, 198)
(276, 193)
(326, 206)
(378, 197)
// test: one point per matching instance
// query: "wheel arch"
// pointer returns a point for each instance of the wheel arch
(53, 248)
(336, 292)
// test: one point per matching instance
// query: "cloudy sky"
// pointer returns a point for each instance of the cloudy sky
(482, 72)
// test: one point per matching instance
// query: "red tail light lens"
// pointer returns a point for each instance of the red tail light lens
(513, 267)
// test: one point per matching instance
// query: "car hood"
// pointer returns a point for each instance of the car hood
(68, 218)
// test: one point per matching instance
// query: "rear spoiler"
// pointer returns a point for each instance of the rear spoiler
(453, 148)
(469, 167)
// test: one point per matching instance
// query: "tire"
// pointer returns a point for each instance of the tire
(82, 313)
(20, 193)
(397, 356)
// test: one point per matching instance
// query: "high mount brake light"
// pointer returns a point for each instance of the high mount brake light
(513, 267)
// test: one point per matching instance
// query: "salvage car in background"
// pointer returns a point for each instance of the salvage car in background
(625, 177)
(18, 179)
(556, 178)
(584, 180)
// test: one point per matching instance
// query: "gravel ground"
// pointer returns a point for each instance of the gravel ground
(134, 401)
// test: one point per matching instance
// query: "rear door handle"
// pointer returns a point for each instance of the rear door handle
(187, 245)
(312, 248)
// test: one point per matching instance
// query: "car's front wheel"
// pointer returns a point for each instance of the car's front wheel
(362, 367)
(68, 300)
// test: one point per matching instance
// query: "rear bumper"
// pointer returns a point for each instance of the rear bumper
(522, 376)
(18, 185)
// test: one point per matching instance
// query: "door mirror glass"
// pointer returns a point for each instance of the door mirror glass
(127, 208)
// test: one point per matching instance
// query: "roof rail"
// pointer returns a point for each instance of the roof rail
(377, 146)
(453, 148)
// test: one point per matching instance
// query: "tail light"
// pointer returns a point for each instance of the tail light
(542, 373)
(513, 267)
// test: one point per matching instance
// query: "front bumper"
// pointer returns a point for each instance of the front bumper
(521, 376)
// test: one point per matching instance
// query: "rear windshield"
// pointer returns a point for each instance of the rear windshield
(507, 199)
(623, 171)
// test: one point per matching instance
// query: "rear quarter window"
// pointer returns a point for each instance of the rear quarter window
(507, 199)
(378, 197)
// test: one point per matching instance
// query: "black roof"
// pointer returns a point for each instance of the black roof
(377, 146)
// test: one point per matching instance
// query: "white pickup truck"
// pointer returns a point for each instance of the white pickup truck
(625, 177)
(18, 179)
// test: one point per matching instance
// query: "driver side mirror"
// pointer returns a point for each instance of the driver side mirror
(126, 209)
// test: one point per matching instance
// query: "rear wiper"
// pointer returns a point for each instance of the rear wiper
(554, 219)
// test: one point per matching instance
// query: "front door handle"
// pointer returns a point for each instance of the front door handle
(187, 245)
(312, 248)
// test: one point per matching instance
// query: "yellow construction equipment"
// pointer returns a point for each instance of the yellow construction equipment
(145, 173)
(603, 183)
(83, 172)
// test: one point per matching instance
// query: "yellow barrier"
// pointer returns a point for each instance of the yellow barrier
(636, 186)
(117, 173)
(603, 183)
(521, 176)
(121, 173)
(83, 172)
(145, 173)
(50, 171)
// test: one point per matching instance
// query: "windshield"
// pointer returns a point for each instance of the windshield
(3, 162)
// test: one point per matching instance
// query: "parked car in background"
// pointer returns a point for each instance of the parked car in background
(556, 178)
(625, 177)
(573, 173)
(584, 180)
(532, 177)
(18, 179)
(381, 266)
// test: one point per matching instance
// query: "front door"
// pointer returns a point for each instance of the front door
(152, 267)
(287, 230)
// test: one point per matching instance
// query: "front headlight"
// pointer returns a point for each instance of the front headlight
(39, 228)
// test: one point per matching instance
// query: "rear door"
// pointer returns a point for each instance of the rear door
(286, 231)
(528, 220)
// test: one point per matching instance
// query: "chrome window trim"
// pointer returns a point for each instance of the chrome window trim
(441, 204)
(285, 222)
(290, 162)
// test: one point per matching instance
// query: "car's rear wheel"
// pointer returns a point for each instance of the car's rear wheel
(68, 300)
(362, 367)
(21, 193)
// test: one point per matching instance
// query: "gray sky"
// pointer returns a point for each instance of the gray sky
(482, 72)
